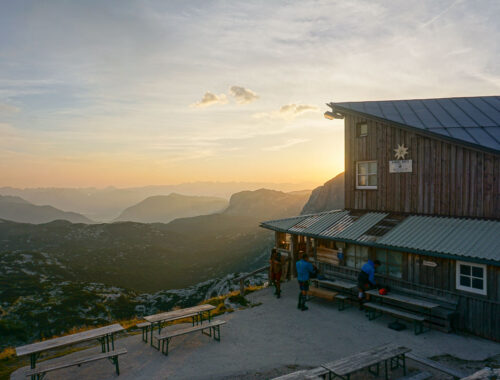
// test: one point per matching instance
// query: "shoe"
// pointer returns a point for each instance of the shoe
(278, 295)
(304, 308)
(299, 305)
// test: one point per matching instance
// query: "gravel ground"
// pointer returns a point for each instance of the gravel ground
(275, 338)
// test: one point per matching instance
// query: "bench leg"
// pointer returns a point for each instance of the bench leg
(373, 314)
(145, 331)
(164, 346)
(114, 360)
(203, 331)
(217, 333)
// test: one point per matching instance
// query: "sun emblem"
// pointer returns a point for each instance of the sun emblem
(401, 152)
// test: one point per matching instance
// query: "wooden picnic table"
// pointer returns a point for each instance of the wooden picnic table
(105, 335)
(392, 353)
(195, 312)
(404, 299)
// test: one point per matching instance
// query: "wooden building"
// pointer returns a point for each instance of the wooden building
(422, 195)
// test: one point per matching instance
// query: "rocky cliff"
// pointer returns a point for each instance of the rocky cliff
(330, 196)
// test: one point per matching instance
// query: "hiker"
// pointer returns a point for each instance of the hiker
(276, 270)
(304, 271)
(366, 280)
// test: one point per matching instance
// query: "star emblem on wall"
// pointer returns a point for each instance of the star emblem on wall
(401, 152)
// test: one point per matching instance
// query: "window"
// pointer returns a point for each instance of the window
(471, 277)
(366, 175)
(391, 263)
(356, 256)
(362, 129)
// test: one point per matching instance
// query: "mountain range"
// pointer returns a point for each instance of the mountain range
(19, 210)
(165, 208)
(106, 204)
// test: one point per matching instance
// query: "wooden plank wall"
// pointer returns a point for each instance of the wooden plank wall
(447, 179)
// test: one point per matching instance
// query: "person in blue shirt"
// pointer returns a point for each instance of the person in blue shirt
(366, 280)
(304, 271)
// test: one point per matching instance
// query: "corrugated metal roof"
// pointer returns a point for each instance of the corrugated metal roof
(283, 225)
(360, 226)
(474, 120)
(305, 223)
(458, 237)
(326, 221)
(473, 238)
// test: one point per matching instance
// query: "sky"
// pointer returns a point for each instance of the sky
(134, 93)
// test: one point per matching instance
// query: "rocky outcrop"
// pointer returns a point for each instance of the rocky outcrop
(330, 196)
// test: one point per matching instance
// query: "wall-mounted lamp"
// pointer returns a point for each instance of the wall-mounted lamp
(331, 115)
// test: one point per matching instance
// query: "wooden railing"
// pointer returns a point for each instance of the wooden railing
(242, 279)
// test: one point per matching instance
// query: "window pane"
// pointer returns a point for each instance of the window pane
(372, 167)
(372, 180)
(363, 129)
(477, 272)
(395, 258)
(395, 271)
(465, 269)
(477, 284)
(465, 281)
(363, 180)
(350, 256)
(362, 168)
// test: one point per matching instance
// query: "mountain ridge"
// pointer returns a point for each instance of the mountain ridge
(17, 209)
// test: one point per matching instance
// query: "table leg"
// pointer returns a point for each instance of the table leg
(386, 370)
(33, 358)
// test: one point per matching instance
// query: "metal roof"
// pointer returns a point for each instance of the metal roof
(325, 222)
(473, 238)
(360, 226)
(471, 120)
(282, 225)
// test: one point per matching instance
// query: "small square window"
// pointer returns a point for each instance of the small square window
(362, 129)
(471, 277)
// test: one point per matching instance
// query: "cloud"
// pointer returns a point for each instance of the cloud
(286, 144)
(288, 111)
(243, 95)
(7, 109)
(209, 99)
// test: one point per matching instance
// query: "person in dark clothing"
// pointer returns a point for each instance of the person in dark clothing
(304, 271)
(276, 270)
(366, 280)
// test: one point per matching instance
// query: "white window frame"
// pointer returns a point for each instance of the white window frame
(358, 186)
(470, 289)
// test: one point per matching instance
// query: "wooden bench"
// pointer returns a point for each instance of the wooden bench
(165, 337)
(322, 293)
(456, 374)
(40, 371)
(309, 374)
(417, 376)
(375, 310)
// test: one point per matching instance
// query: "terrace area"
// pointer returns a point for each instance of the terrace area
(274, 338)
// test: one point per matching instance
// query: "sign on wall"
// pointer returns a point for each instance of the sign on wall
(400, 166)
(431, 264)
